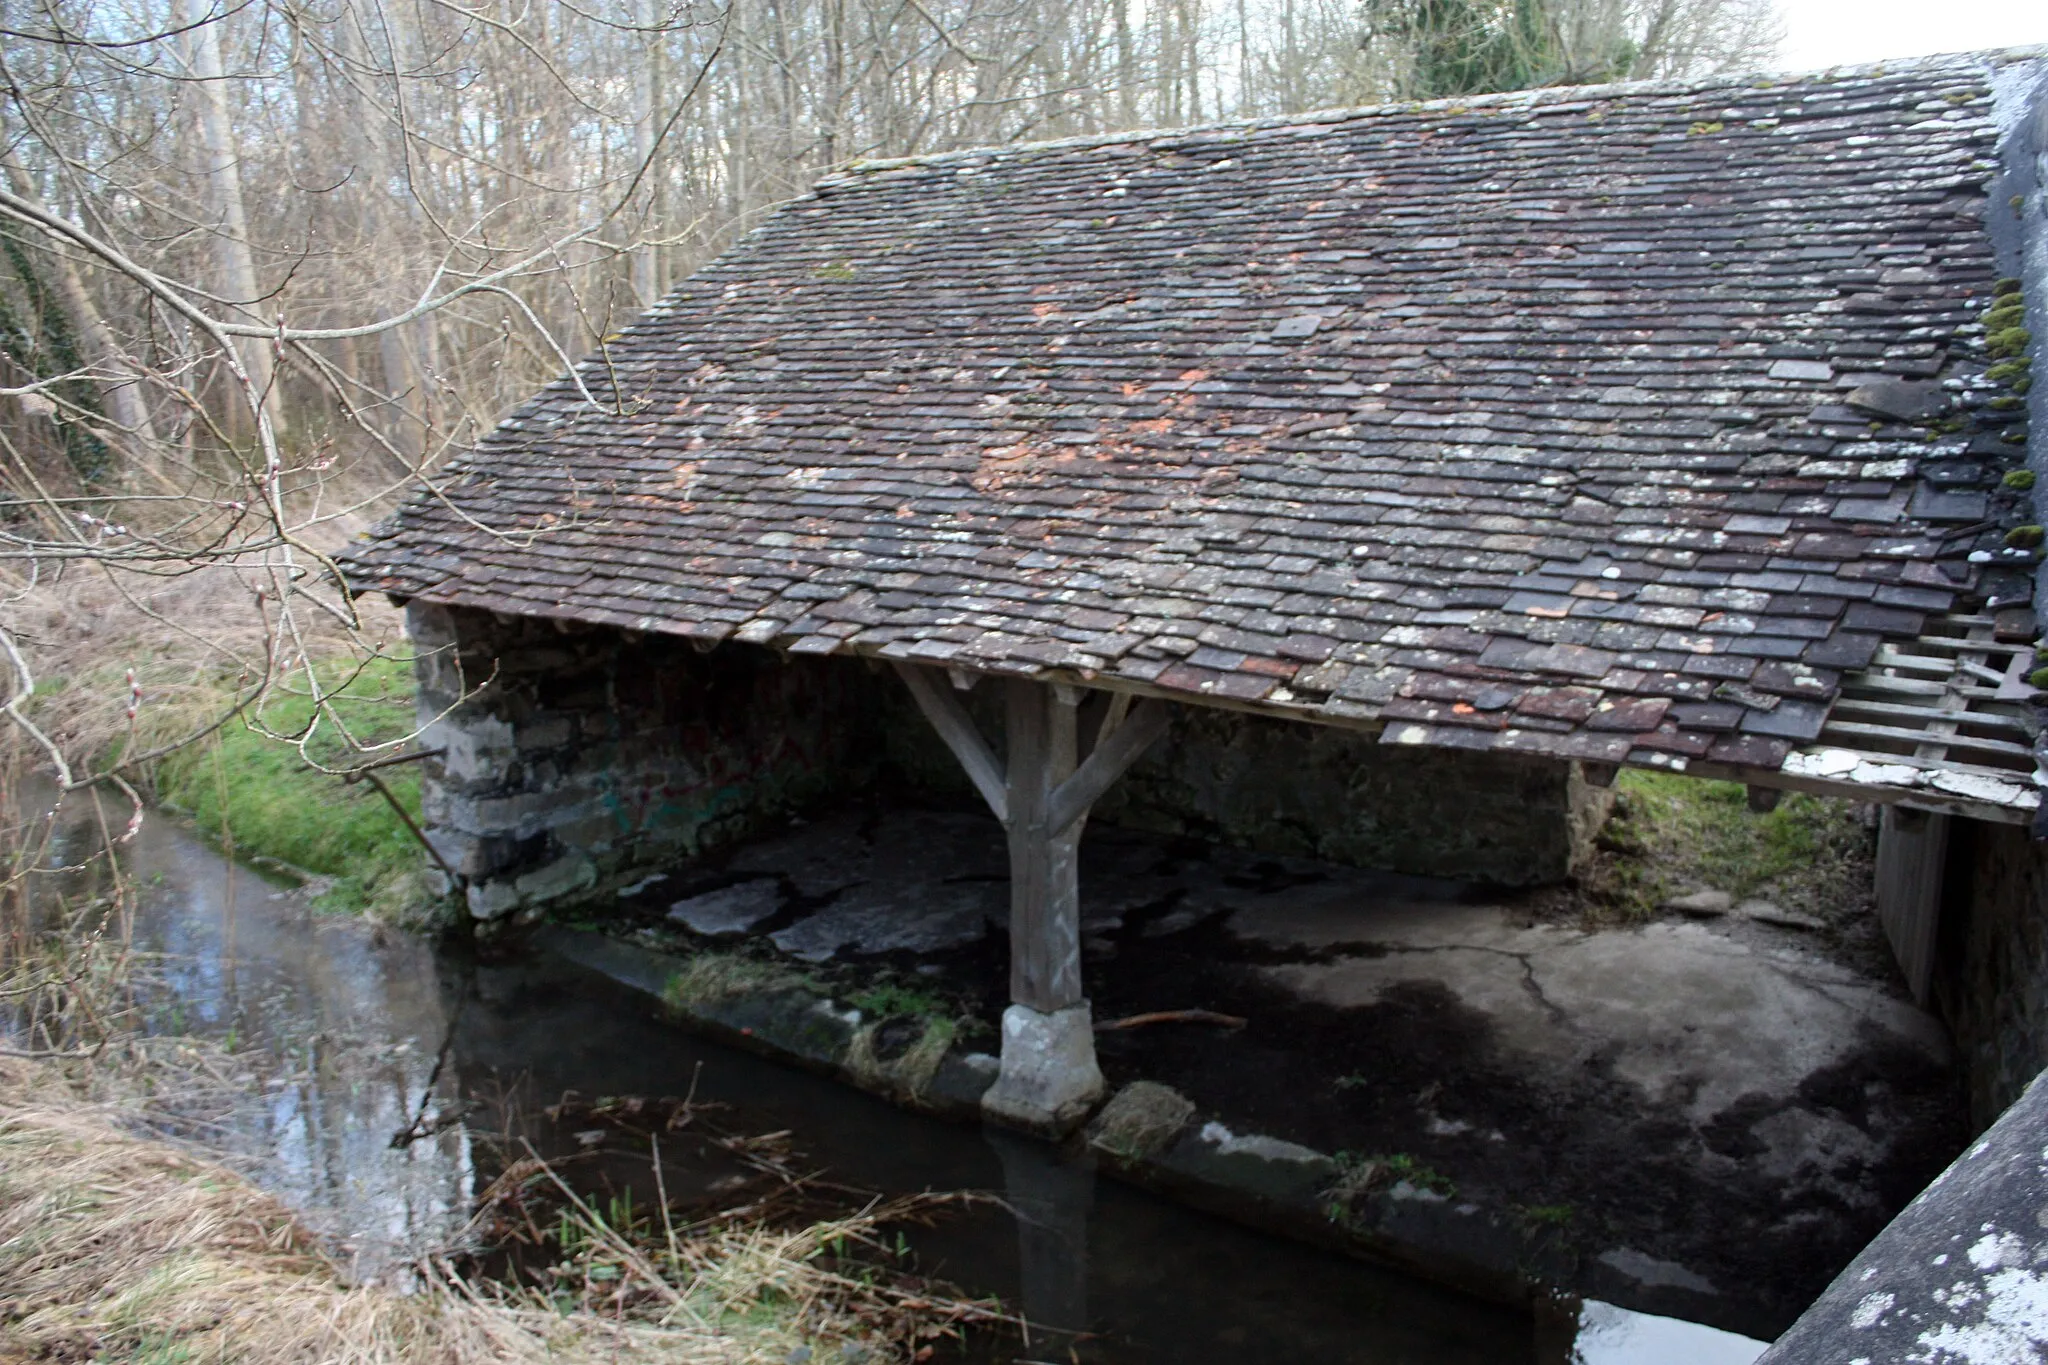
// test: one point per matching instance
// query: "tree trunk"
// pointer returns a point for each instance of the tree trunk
(221, 172)
(120, 387)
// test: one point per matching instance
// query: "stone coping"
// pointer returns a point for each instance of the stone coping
(1150, 1136)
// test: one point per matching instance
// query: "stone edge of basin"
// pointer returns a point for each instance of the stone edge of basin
(1151, 1136)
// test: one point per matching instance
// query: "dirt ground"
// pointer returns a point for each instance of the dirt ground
(1728, 1102)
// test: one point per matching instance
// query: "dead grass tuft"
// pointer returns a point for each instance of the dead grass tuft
(115, 1245)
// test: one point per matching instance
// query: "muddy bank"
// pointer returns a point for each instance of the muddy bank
(1705, 1119)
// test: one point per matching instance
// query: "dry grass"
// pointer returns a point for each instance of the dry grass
(125, 1247)
(192, 638)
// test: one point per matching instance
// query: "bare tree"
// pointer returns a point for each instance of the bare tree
(272, 261)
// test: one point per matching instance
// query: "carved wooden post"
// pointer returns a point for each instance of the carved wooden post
(1049, 1078)
(1045, 904)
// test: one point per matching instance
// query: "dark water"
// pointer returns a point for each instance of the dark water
(343, 1026)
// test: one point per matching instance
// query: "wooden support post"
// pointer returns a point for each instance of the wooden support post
(1042, 795)
(956, 727)
(1912, 854)
(1045, 892)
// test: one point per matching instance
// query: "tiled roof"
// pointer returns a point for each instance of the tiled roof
(1552, 423)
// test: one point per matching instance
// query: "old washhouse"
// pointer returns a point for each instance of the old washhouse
(1414, 468)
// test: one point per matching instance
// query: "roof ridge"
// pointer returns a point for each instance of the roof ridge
(854, 172)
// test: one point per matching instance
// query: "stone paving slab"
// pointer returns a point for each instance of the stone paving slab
(1701, 1119)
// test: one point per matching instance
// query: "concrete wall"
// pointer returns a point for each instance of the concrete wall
(580, 759)
(1991, 978)
(1314, 791)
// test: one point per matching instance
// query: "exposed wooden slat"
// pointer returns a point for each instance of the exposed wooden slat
(1899, 711)
(1914, 798)
(1903, 735)
(1916, 687)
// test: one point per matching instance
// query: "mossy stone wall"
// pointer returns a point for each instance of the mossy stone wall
(580, 759)
(1341, 795)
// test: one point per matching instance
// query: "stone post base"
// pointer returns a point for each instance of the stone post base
(1049, 1079)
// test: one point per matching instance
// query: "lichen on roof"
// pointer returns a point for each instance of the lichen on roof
(1544, 423)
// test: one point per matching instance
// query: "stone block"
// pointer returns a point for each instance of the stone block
(526, 813)
(491, 900)
(595, 833)
(1141, 1120)
(550, 733)
(475, 748)
(1265, 1168)
(564, 876)
(1049, 1079)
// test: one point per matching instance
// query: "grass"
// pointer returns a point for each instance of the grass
(885, 998)
(1670, 834)
(911, 1071)
(1359, 1177)
(259, 798)
(712, 976)
(115, 1246)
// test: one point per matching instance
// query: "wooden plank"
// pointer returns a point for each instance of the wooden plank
(957, 728)
(1903, 712)
(1913, 798)
(1930, 736)
(1912, 851)
(1045, 901)
(1913, 687)
(1112, 757)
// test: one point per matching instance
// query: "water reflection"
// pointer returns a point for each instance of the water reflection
(339, 1028)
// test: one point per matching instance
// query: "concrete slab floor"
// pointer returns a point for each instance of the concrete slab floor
(1729, 1107)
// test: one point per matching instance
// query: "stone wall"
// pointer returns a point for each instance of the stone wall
(1321, 792)
(1991, 977)
(1314, 791)
(580, 759)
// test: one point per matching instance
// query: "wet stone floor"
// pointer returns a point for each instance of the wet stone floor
(1721, 1113)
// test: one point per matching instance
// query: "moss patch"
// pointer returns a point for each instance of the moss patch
(1670, 834)
(713, 976)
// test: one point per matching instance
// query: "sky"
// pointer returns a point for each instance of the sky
(1822, 33)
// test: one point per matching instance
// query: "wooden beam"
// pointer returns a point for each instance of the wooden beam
(1912, 855)
(956, 727)
(1112, 757)
(1045, 893)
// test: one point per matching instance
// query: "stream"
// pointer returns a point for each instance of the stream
(346, 1024)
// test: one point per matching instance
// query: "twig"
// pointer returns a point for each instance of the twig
(1172, 1017)
(405, 815)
